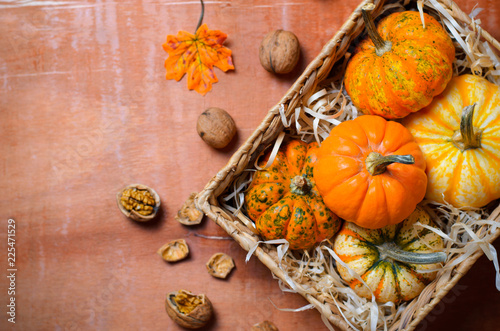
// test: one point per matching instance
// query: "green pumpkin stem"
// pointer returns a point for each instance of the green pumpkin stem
(381, 45)
(300, 185)
(377, 163)
(391, 250)
(467, 137)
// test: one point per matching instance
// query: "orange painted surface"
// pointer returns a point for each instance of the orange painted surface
(85, 109)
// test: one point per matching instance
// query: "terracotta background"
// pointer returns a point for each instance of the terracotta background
(85, 109)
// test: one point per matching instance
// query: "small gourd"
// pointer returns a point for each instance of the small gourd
(401, 67)
(371, 172)
(459, 134)
(284, 202)
(395, 262)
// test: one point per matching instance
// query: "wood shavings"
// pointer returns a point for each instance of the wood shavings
(274, 152)
(212, 237)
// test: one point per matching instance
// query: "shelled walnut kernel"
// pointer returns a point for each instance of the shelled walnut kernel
(138, 202)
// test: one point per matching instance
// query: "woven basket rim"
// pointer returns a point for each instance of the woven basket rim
(317, 70)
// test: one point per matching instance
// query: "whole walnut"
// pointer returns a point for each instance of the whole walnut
(216, 127)
(279, 51)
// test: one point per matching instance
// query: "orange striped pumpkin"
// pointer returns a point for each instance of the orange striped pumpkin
(459, 135)
(389, 260)
(401, 67)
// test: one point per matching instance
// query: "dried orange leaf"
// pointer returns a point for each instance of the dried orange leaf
(197, 55)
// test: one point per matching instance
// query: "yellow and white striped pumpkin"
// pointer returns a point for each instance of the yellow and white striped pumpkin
(459, 135)
(393, 261)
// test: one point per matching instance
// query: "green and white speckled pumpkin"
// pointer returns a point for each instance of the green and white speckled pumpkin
(390, 260)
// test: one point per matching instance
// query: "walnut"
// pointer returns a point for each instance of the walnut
(279, 51)
(220, 265)
(216, 127)
(138, 202)
(189, 214)
(174, 251)
(264, 326)
(188, 310)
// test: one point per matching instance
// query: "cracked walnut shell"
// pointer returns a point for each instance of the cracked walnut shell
(264, 326)
(138, 202)
(220, 265)
(189, 214)
(189, 310)
(174, 251)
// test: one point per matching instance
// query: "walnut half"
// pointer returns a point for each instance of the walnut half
(138, 202)
(188, 310)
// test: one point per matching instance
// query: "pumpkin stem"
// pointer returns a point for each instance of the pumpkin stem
(201, 16)
(300, 185)
(377, 163)
(467, 137)
(391, 250)
(381, 45)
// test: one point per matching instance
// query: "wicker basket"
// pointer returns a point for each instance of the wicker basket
(327, 64)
